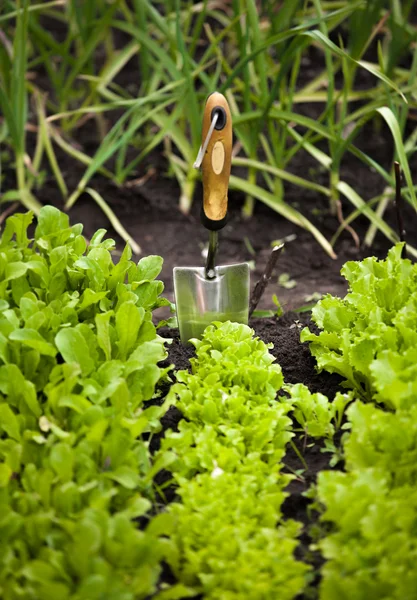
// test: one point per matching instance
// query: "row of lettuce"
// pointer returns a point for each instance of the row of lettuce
(370, 338)
(79, 359)
(80, 515)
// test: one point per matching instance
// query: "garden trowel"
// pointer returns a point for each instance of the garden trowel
(212, 293)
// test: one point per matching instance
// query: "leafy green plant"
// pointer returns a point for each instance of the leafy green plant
(371, 548)
(228, 401)
(383, 440)
(78, 359)
(369, 337)
(315, 413)
(372, 551)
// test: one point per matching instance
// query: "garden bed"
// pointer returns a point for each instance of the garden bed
(147, 205)
(254, 385)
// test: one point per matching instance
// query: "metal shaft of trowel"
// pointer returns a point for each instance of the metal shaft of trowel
(211, 255)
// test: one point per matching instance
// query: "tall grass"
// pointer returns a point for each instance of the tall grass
(14, 103)
(180, 51)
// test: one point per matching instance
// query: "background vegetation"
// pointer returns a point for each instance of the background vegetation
(136, 73)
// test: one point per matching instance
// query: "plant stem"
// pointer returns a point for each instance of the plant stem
(262, 283)
(300, 456)
(249, 204)
(26, 197)
(398, 207)
(187, 191)
(334, 192)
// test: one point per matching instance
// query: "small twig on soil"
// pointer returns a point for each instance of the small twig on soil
(260, 285)
(399, 206)
(151, 172)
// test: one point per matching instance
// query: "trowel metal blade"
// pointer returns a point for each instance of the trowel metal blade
(200, 301)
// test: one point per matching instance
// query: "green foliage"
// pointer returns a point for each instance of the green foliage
(370, 336)
(228, 452)
(226, 541)
(78, 358)
(183, 51)
(372, 554)
(228, 401)
(383, 440)
(372, 548)
(317, 416)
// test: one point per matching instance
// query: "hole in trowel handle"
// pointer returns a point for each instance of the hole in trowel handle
(221, 117)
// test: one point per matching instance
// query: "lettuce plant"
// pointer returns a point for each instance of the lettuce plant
(317, 416)
(370, 336)
(371, 549)
(372, 552)
(78, 358)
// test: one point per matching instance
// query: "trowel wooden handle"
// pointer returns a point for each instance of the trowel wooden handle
(216, 162)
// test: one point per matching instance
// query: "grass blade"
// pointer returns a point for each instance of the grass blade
(18, 95)
(281, 173)
(193, 110)
(46, 139)
(319, 37)
(114, 140)
(288, 212)
(392, 123)
(115, 223)
(93, 41)
(375, 219)
(34, 8)
(337, 15)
